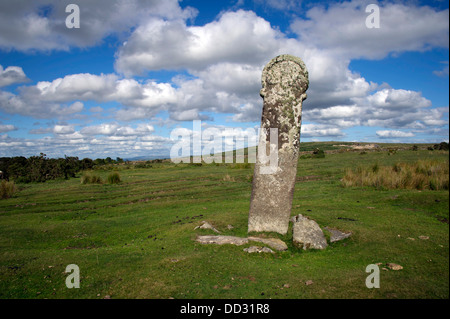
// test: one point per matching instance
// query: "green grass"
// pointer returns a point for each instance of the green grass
(136, 239)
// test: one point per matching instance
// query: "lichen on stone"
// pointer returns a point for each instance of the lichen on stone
(284, 84)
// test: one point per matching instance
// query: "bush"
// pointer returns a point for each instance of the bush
(114, 178)
(36, 169)
(443, 146)
(7, 189)
(318, 153)
(430, 175)
(95, 179)
(143, 165)
(91, 179)
(392, 151)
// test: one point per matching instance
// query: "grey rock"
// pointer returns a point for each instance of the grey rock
(221, 240)
(275, 243)
(206, 225)
(297, 218)
(337, 235)
(284, 84)
(307, 234)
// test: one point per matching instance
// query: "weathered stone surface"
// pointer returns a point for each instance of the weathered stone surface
(221, 240)
(337, 235)
(307, 234)
(257, 249)
(284, 83)
(275, 243)
(206, 225)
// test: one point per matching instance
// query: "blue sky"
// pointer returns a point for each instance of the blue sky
(135, 70)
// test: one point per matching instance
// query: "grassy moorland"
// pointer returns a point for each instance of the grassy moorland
(135, 238)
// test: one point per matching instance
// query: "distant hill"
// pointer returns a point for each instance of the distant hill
(325, 146)
(146, 158)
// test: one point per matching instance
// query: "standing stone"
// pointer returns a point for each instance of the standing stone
(284, 83)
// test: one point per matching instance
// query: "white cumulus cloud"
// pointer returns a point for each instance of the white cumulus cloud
(403, 27)
(7, 128)
(12, 75)
(393, 134)
(41, 24)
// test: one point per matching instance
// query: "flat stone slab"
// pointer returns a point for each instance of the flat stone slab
(221, 240)
(337, 235)
(274, 243)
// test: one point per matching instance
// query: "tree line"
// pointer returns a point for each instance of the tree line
(41, 168)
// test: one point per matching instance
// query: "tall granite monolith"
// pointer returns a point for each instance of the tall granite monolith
(284, 84)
